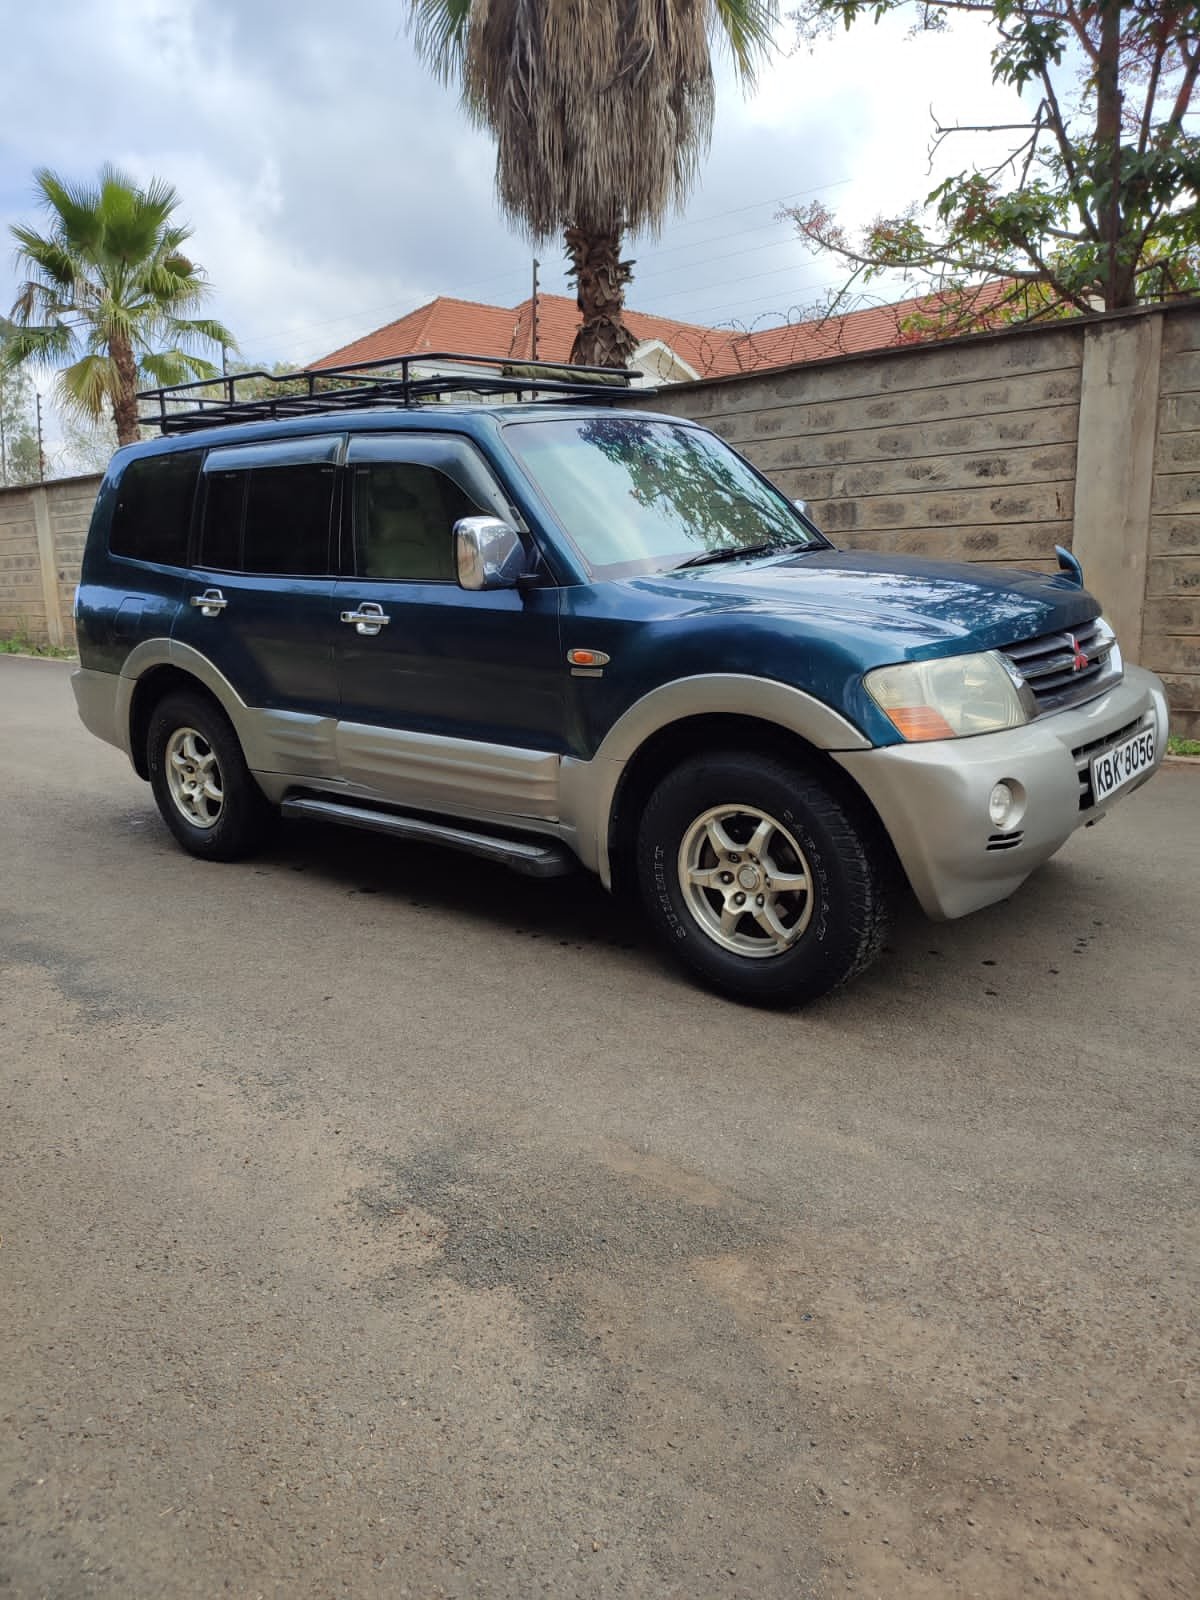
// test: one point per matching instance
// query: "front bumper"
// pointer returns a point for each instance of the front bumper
(933, 798)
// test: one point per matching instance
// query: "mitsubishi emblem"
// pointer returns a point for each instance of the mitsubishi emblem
(1079, 658)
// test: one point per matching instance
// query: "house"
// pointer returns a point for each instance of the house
(668, 351)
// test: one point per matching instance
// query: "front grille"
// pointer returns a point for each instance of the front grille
(1083, 753)
(1067, 668)
(1005, 841)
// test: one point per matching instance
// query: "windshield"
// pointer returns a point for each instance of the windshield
(636, 496)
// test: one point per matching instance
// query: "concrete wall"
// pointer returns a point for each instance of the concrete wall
(997, 448)
(993, 449)
(1172, 617)
(22, 604)
(42, 532)
(964, 451)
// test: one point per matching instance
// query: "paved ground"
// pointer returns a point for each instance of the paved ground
(379, 1225)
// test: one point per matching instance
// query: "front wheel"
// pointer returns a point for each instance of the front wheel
(760, 879)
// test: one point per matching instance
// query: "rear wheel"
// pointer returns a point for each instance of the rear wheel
(760, 879)
(200, 779)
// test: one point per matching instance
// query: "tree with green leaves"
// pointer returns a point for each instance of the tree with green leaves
(109, 296)
(20, 460)
(1095, 206)
(601, 116)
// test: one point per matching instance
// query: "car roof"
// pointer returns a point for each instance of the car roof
(477, 420)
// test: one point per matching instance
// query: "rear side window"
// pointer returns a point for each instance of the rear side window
(221, 534)
(404, 516)
(153, 513)
(269, 519)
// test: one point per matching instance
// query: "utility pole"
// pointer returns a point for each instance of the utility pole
(533, 351)
(37, 394)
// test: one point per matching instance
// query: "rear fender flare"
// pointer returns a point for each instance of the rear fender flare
(164, 652)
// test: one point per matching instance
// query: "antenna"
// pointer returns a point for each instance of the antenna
(533, 355)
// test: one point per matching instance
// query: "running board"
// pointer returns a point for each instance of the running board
(536, 860)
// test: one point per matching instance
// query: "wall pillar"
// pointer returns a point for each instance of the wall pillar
(1114, 478)
(47, 565)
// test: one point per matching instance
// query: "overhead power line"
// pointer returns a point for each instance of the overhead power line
(462, 290)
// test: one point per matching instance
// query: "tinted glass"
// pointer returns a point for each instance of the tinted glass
(643, 496)
(404, 517)
(287, 519)
(221, 535)
(154, 508)
(269, 519)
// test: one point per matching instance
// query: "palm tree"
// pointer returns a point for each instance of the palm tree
(601, 115)
(108, 289)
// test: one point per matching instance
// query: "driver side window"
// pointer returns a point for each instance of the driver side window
(404, 516)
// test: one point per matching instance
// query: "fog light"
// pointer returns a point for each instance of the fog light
(1002, 805)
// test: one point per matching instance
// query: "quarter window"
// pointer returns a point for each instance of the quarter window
(153, 513)
(404, 516)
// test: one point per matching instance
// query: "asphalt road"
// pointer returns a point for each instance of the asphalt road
(378, 1224)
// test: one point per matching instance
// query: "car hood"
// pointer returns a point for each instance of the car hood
(900, 606)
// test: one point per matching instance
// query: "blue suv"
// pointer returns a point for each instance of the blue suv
(502, 612)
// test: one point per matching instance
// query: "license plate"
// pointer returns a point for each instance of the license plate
(1114, 768)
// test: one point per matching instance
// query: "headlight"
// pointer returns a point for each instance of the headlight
(949, 698)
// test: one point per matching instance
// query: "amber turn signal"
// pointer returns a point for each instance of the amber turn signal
(921, 722)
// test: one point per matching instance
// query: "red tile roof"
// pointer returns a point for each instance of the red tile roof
(468, 327)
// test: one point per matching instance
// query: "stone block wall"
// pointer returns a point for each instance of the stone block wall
(964, 451)
(998, 447)
(22, 608)
(1172, 621)
(42, 534)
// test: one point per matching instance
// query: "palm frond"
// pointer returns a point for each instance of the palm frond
(34, 346)
(166, 367)
(439, 31)
(163, 285)
(73, 208)
(83, 387)
(131, 220)
(203, 329)
(50, 256)
(748, 27)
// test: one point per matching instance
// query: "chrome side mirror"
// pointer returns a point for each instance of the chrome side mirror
(802, 507)
(488, 553)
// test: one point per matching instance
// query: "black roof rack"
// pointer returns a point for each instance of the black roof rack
(367, 385)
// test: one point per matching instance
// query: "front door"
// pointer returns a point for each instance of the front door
(451, 700)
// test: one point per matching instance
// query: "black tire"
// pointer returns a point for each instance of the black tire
(842, 919)
(243, 814)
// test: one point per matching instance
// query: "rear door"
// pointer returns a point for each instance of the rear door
(454, 700)
(259, 602)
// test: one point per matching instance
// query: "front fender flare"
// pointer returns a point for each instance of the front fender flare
(588, 788)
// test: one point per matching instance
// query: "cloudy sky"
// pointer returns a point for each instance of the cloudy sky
(334, 186)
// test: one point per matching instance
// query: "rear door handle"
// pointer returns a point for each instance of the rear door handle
(210, 602)
(368, 619)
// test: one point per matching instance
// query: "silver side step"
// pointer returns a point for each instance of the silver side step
(536, 859)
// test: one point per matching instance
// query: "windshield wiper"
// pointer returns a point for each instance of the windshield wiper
(729, 553)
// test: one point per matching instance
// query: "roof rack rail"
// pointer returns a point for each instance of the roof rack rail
(368, 385)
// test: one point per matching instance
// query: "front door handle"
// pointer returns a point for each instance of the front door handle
(211, 602)
(368, 619)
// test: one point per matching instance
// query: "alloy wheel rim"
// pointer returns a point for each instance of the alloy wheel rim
(194, 778)
(745, 880)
